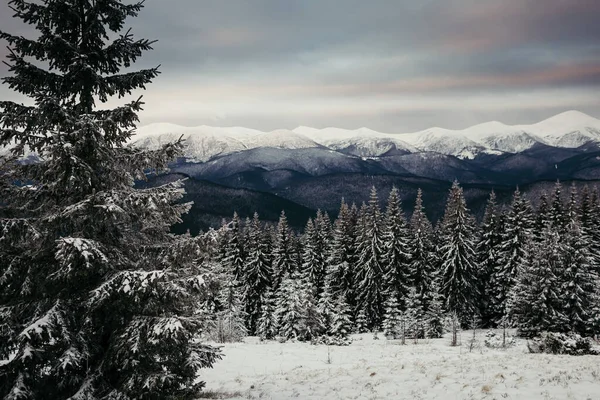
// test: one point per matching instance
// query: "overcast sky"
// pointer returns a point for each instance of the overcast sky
(391, 65)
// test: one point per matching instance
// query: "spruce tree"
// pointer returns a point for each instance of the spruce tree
(415, 315)
(557, 212)
(257, 273)
(313, 258)
(322, 243)
(518, 230)
(434, 315)
(341, 320)
(370, 266)
(267, 327)
(285, 258)
(396, 245)
(542, 216)
(535, 299)
(580, 284)
(296, 312)
(459, 271)
(423, 256)
(360, 322)
(342, 256)
(589, 218)
(235, 256)
(228, 324)
(92, 306)
(392, 317)
(488, 255)
(326, 306)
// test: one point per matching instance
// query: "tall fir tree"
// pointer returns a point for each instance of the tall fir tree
(589, 218)
(313, 258)
(257, 273)
(342, 256)
(459, 270)
(285, 258)
(393, 317)
(434, 315)
(396, 248)
(542, 215)
(267, 327)
(370, 266)
(580, 284)
(416, 320)
(557, 212)
(92, 306)
(488, 255)
(518, 230)
(535, 300)
(423, 256)
(323, 231)
(235, 256)
(297, 314)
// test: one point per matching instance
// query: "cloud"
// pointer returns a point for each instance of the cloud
(327, 60)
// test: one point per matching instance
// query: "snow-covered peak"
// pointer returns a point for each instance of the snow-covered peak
(280, 138)
(569, 129)
(564, 123)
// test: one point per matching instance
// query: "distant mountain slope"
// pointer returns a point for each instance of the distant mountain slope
(570, 129)
(307, 168)
(214, 202)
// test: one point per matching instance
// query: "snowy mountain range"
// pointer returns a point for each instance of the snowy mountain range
(570, 129)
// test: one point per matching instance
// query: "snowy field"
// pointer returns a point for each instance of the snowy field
(382, 369)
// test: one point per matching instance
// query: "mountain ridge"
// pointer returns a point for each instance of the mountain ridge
(570, 129)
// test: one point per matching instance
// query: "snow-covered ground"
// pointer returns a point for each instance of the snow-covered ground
(382, 369)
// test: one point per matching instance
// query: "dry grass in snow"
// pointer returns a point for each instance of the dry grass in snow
(382, 369)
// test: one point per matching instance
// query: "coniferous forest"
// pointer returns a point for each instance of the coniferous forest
(100, 300)
(372, 269)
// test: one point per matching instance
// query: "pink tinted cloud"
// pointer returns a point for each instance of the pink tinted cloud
(486, 25)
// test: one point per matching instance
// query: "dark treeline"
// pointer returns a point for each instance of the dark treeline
(535, 269)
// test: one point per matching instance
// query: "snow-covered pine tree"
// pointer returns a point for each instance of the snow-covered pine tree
(341, 321)
(580, 284)
(415, 316)
(542, 214)
(229, 322)
(535, 300)
(589, 218)
(289, 309)
(572, 211)
(360, 322)
(257, 273)
(434, 315)
(423, 257)
(322, 243)
(326, 306)
(459, 271)
(393, 317)
(518, 230)
(91, 307)
(313, 258)
(488, 255)
(235, 254)
(313, 325)
(342, 256)
(396, 249)
(336, 315)
(267, 327)
(370, 266)
(285, 260)
(222, 242)
(296, 312)
(557, 212)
